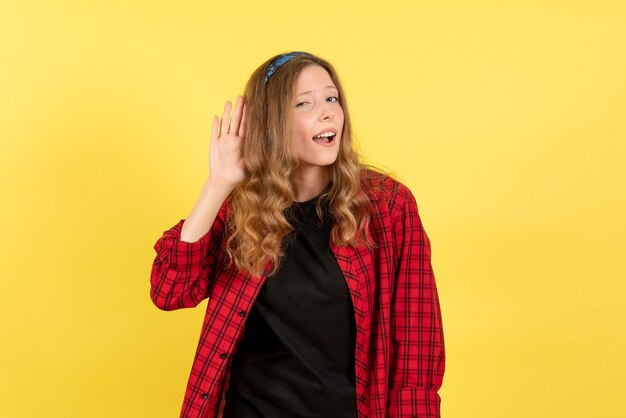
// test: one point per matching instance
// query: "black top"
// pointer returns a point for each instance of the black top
(296, 357)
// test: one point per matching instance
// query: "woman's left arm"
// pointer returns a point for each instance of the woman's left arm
(417, 344)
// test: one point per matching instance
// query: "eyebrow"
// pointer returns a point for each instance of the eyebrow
(309, 91)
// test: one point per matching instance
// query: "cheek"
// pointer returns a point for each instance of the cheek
(303, 126)
(304, 129)
(302, 140)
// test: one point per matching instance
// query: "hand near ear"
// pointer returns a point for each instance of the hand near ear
(226, 164)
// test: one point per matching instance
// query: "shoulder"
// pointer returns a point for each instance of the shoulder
(386, 191)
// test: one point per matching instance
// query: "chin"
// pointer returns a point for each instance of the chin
(320, 162)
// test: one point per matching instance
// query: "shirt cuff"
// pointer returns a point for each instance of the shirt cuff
(417, 402)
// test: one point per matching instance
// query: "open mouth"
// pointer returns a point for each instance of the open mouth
(324, 140)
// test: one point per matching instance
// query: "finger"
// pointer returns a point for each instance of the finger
(242, 125)
(214, 128)
(234, 123)
(225, 119)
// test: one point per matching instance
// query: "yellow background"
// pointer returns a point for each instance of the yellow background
(507, 121)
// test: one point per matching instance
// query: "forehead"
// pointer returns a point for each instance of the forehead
(313, 77)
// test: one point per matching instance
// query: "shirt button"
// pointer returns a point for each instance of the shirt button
(223, 355)
(242, 313)
(205, 395)
(264, 272)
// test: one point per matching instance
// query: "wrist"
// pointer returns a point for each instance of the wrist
(218, 187)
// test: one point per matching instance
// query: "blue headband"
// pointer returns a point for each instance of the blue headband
(276, 64)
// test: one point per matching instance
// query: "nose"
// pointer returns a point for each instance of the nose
(327, 112)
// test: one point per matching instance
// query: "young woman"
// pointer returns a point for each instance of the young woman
(321, 296)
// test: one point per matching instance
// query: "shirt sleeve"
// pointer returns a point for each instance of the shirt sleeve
(182, 272)
(417, 344)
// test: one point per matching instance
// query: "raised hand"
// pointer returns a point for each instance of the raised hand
(226, 164)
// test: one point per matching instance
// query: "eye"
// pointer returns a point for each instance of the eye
(331, 97)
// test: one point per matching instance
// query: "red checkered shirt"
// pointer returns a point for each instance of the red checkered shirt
(399, 353)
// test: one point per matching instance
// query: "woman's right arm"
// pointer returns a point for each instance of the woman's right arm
(187, 253)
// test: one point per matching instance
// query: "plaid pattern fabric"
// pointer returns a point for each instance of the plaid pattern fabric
(399, 357)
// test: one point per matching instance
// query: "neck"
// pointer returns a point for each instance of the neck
(310, 182)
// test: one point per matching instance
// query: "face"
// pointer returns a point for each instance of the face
(316, 109)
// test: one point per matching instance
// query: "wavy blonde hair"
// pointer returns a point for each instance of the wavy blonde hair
(256, 226)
